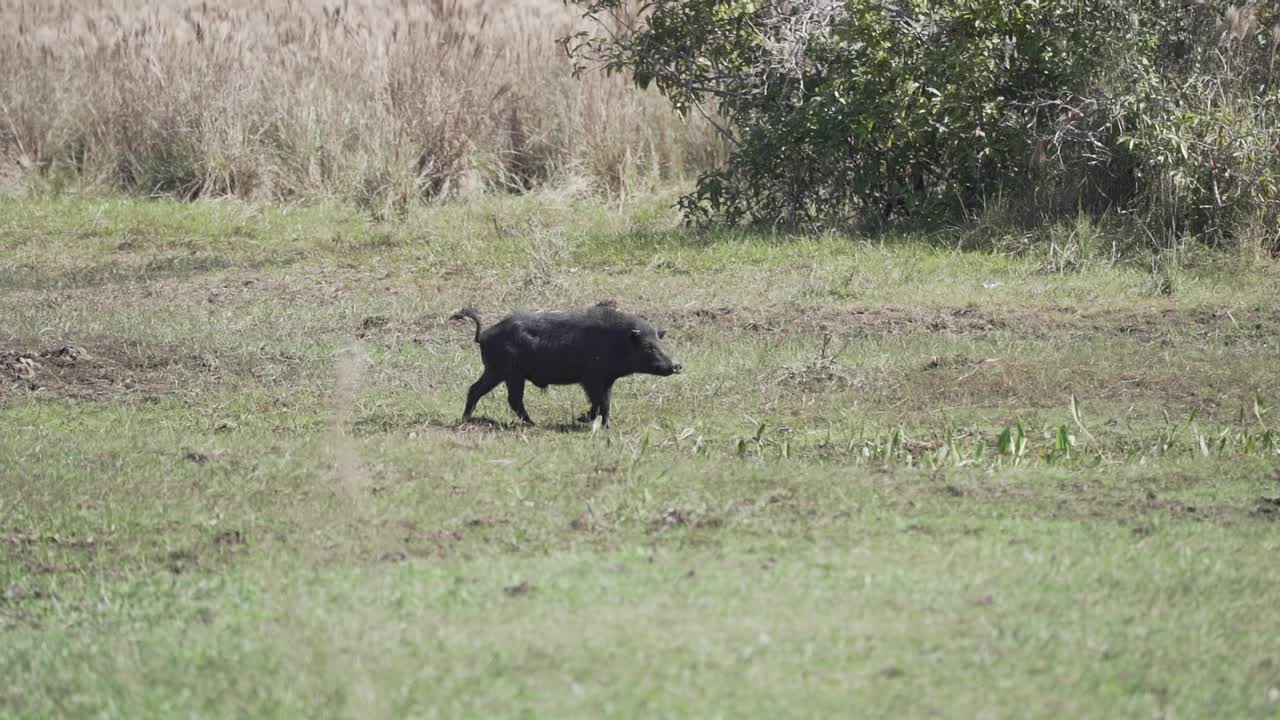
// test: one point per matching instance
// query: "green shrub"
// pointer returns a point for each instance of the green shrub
(864, 111)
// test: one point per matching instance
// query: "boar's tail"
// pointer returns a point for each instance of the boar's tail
(467, 312)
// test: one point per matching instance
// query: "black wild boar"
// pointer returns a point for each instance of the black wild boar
(591, 348)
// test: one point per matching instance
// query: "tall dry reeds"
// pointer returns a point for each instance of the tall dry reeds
(386, 102)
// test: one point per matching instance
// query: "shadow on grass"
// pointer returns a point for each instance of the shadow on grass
(489, 424)
(406, 422)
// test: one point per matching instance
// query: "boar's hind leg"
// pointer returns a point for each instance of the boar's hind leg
(479, 389)
(515, 397)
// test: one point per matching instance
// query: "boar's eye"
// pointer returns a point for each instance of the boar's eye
(635, 334)
(662, 334)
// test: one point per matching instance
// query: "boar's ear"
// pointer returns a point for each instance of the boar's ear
(662, 334)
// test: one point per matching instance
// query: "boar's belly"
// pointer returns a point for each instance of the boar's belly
(551, 372)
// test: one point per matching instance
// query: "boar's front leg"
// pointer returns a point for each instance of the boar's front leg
(592, 411)
(600, 394)
(515, 398)
(606, 398)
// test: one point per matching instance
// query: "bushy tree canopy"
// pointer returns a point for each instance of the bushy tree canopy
(864, 110)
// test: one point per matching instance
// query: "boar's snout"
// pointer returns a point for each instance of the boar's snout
(660, 364)
(666, 366)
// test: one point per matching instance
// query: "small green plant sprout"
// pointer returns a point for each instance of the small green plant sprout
(1012, 444)
(1169, 434)
(1060, 450)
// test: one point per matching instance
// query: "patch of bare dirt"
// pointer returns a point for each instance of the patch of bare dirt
(24, 539)
(422, 331)
(1107, 506)
(1151, 322)
(1268, 508)
(95, 369)
(677, 517)
(1144, 322)
(905, 319)
(524, 587)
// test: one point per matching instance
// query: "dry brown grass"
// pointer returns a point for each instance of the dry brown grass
(379, 101)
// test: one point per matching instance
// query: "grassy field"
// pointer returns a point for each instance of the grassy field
(896, 479)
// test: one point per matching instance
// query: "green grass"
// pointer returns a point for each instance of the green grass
(212, 513)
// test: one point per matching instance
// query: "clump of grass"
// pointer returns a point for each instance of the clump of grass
(821, 370)
(1071, 246)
